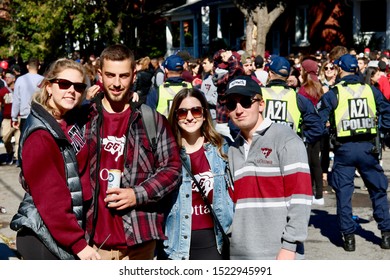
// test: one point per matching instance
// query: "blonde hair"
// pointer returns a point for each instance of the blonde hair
(144, 62)
(337, 52)
(321, 73)
(42, 97)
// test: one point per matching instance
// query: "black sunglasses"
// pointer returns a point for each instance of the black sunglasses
(329, 68)
(65, 84)
(245, 101)
(196, 112)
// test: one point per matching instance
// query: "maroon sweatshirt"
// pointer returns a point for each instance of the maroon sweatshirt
(44, 172)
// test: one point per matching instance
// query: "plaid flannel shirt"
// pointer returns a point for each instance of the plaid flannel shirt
(234, 66)
(152, 176)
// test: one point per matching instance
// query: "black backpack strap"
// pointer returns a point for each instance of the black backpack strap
(99, 106)
(149, 121)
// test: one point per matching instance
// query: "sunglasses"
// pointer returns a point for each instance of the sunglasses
(246, 102)
(329, 68)
(196, 112)
(65, 84)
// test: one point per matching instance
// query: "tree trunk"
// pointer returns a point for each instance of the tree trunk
(249, 37)
(118, 30)
(263, 27)
(264, 21)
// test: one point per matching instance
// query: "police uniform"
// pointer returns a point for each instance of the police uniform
(160, 99)
(166, 93)
(356, 107)
(283, 105)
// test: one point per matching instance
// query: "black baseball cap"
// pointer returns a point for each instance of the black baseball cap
(259, 61)
(243, 85)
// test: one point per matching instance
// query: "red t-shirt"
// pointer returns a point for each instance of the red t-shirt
(6, 102)
(76, 138)
(113, 139)
(201, 217)
(384, 86)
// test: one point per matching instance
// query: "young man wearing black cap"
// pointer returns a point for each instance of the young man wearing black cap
(16, 70)
(160, 99)
(356, 107)
(260, 73)
(271, 180)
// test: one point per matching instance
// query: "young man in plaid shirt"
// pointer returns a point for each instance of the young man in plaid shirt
(126, 222)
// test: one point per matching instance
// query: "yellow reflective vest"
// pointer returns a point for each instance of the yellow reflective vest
(356, 110)
(166, 93)
(281, 106)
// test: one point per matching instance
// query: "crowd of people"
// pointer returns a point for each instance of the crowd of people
(219, 157)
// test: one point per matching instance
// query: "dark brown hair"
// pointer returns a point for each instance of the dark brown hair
(117, 53)
(208, 130)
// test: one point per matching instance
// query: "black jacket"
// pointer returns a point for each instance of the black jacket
(28, 215)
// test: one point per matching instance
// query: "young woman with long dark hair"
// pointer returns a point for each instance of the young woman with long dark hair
(192, 232)
(311, 88)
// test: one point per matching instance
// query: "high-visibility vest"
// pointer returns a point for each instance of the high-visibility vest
(356, 110)
(166, 93)
(281, 106)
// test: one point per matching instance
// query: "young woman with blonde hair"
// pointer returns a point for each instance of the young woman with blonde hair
(55, 170)
(327, 75)
(143, 78)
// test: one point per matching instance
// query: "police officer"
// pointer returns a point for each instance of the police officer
(356, 108)
(161, 98)
(283, 105)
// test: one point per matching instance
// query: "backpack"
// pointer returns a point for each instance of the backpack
(149, 121)
(154, 78)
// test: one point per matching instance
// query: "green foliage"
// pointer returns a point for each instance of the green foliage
(154, 51)
(34, 27)
(49, 29)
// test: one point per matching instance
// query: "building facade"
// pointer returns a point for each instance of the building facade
(203, 26)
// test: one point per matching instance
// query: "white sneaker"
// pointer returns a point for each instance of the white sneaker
(319, 201)
(357, 174)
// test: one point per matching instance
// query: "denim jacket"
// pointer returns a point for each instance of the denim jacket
(178, 222)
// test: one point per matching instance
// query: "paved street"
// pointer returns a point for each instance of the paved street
(323, 243)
